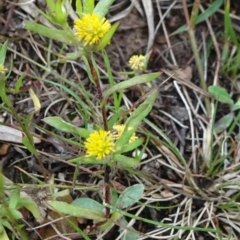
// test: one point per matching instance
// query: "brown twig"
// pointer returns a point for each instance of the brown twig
(104, 116)
(100, 95)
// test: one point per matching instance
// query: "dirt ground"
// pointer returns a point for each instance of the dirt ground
(140, 32)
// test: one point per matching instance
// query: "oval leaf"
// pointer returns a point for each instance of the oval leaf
(130, 196)
(64, 126)
(102, 7)
(223, 123)
(126, 161)
(88, 203)
(221, 94)
(145, 78)
(76, 211)
(130, 235)
(63, 36)
(236, 106)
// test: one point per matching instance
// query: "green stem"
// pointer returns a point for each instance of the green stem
(191, 25)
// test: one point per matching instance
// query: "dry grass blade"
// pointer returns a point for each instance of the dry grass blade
(186, 83)
(148, 7)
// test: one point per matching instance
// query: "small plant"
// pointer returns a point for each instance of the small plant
(112, 138)
(12, 201)
(227, 124)
(231, 47)
(107, 142)
(91, 209)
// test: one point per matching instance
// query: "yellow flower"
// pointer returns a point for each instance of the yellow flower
(137, 63)
(2, 69)
(100, 144)
(119, 130)
(91, 28)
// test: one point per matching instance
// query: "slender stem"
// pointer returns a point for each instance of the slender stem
(107, 189)
(23, 126)
(191, 25)
(100, 95)
(29, 137)
(107, 170)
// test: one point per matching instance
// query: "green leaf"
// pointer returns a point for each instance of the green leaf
(73, 55)
(223, 123)
(225, 55)
(76, 211)
(15, 213)
(32, 207)
(114, 196)
(130, 235)
(14, 198)
(88, 203)
(28, 121)
(4, 211)
(145, 78)
(102, 7)
(125, 161)
(63, 36)
(194, 13)
(131, 146)
(3, 94)
(61, 14)
(18, 84)
(79, 7)
(29, 145)
(64, 126)
(88, 160)
(60, 124)
(88, 6)
(3, 235)
(121, 159)
(236, 106)
(136, 118)
(228, 27)
(205, 15)
(1, 226)
(221, 94)
(51, 5)
(109, 224)
(130, 196)
(107, 37)
(49, 16)
(3, 52)
(7, 225)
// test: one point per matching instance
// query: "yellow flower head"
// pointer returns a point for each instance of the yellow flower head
(91, 28)
(119, 130)
(100, 144)
(2, 69)
(137, 63)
